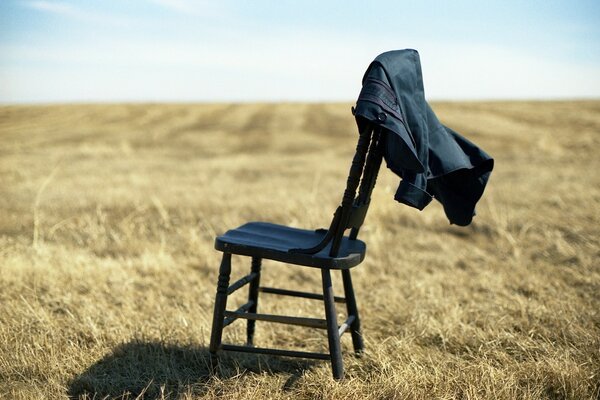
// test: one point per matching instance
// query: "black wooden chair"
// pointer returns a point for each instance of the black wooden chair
(324, 249)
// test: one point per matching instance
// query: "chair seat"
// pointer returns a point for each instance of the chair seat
(272, 241)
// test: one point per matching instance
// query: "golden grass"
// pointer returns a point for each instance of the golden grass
(107, 268)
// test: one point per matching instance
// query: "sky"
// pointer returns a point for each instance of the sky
(283, 50)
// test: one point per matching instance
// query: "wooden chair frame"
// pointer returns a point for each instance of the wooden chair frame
(349, 215)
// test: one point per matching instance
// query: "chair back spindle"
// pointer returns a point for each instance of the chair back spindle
(368, 181)
(352, 211)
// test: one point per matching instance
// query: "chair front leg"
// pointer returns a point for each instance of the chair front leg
(335, 351)
(220, 304)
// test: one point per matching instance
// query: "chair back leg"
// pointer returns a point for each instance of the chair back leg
(220, 305)
(352, 309)
(335, 351)
(253, 298)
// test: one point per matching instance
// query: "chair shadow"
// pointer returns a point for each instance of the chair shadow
(150, 368)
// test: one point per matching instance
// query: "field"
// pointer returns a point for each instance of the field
(108, 215)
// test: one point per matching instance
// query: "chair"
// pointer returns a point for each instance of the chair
(324, 249)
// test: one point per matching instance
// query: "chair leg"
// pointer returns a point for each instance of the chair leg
(352, 309)
(253, 297)
(335, 350)
(219, 312)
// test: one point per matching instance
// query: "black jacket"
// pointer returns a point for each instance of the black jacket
(432, 159)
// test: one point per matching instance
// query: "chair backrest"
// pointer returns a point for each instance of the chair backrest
(353, 210)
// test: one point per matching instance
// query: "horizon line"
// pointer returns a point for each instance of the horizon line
(301, 101)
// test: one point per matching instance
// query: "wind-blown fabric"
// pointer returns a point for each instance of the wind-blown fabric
(433, 160)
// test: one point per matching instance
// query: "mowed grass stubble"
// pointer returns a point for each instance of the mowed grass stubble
(107, 270)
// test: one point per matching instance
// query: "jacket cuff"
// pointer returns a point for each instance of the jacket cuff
(412, 195)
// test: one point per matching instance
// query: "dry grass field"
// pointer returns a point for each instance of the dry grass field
(107, 270)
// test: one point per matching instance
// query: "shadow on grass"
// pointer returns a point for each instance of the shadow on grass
(150, 369)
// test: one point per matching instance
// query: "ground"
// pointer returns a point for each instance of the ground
(108, 215)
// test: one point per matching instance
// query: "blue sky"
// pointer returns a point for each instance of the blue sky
(186, 50)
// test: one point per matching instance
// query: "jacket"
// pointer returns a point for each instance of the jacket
(432, 160)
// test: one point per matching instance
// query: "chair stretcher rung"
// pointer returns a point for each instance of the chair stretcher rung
(276, 352)
(242, 309)
(241, 282)
(295, 293)
(282, 319)
(346, 325)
